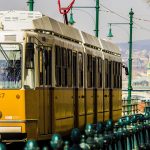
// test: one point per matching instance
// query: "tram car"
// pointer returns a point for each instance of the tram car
(54, 77)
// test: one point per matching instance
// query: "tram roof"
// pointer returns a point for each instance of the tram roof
(49, 24)
(28, 20)
(90, 40)
(108, 45)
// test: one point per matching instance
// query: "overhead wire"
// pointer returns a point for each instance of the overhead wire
(141, 19)
(137, 24)
(114, 12)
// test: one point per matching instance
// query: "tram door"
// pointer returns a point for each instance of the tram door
(81, 93)
(44, 93)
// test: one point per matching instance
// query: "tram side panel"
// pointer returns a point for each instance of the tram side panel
(106, 95)
(38, 87)
(89, 89)
(63, 102)
(32, 109)
(117, 92)
(93, 84)
(31, 93)
(44, 73)
(12, 120)
(63, 110)
(80, 99)
(100, 90)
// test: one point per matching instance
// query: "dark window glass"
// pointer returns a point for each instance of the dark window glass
(120, 75)
(94, 72)
(80, 59)
(58, 65)
(106, 74)
(114, 74)
(10, 66)
(69, 58)
(41, 65)
(99, 72)
(69, 68)
(48, 68)
(74, 70)
(89, 71)
(110, 64)
(64, 67)
(117, 75)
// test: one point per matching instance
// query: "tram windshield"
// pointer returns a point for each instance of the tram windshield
(10, 66)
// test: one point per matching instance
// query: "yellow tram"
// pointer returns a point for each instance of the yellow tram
(54, 77)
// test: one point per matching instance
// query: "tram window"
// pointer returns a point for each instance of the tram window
(89, 71)
(80, 59)
(58, 56)
(29, 81)
(120, 75)
(29, 56)
(45, 56)
(114, 67)
(117, 75)
(64, 67)
(114, 73)
(99, 73)
(69, 58)
(106, 74)
(48, 67)
(69, 68)
(41, 66)
(94, 72)
(74, 70)
(29, 66)
(58, 65)
(109, 74)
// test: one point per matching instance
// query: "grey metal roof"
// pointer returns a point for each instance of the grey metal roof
(107, 45)
(90, 40)
(49, 24)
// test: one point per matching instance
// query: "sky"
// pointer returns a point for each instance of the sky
(116, 11)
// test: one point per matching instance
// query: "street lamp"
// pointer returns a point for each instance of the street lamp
(131, 13)
(30, 4)
(110, 35)
(71, 20)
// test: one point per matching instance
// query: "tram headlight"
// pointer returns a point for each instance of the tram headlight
(18, 96)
